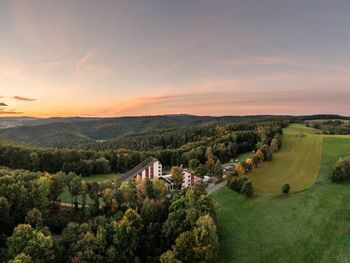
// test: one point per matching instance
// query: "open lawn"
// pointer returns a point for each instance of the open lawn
(297, 163)
(309, 226)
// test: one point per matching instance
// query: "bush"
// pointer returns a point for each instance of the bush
(341, 170)
(285, 188)
(241, 184)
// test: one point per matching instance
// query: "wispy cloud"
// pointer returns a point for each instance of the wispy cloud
(3, 104)
(87, 69)
(23, 98)
(9, 112)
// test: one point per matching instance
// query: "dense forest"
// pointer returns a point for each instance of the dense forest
(71, 132)
(136, 221)
(171, 147)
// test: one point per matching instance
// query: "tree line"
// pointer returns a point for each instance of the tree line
(238, 181)
(222, 141)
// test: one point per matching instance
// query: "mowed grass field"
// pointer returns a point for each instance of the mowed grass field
(297, 163)
(309, 226)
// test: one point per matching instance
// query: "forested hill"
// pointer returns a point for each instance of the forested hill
(72, 132)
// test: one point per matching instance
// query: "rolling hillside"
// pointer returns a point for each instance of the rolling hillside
(309, 226)
(70, 132)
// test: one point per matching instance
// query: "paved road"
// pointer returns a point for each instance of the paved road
(213, 187)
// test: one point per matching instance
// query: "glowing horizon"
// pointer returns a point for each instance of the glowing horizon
(122, 58)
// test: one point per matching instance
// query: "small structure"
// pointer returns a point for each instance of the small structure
(149, 168)
(189, 179)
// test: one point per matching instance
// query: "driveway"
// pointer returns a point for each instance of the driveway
(213, 187)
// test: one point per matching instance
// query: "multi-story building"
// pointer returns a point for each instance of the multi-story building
(149, 168)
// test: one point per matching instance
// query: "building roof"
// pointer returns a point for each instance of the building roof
(138, 168)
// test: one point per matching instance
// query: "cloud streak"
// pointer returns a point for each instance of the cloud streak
(19, 98)
(9, 112)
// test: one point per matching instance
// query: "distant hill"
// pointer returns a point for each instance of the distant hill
(71, 132)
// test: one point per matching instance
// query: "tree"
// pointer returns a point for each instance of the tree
(285, 188)
(160, 188)
(247, 167)
(255, 161)
(218, 169)
(146, 189)
(209, 165)
(5, 219)
(93, 189)
(240, 169)
(57, 186)
(102, 166)
(34, 161)
(267, 152)
(194, 164)
(22, 258)
(205, 240)
(169, 257)
(126, 238)
(110, 205)
(32, 243)
(176, 176)
(75, 189)
(241, 184)
(260, 155)
(34, 218)
(274, 145)
(183, 247)
(247, 188)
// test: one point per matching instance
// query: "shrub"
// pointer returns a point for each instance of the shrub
(341, 170)
(285, 188)
(241, 184)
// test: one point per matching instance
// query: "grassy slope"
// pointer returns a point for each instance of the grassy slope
(297, 163)
(310, 226)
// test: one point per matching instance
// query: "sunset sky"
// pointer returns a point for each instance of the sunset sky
(146, 57)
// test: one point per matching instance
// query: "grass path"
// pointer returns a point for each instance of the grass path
(297, 163)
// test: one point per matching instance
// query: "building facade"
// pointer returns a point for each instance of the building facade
(149, 168)
(189, 179)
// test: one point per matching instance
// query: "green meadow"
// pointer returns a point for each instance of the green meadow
(310, 225)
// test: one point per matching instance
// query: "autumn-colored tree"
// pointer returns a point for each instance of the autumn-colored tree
(240, 169)
(260, 155)
(205, 240)
(210, 166)
(176, 176)
(250, 162)
(32, 243)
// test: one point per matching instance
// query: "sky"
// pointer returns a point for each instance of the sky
(148, 57)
